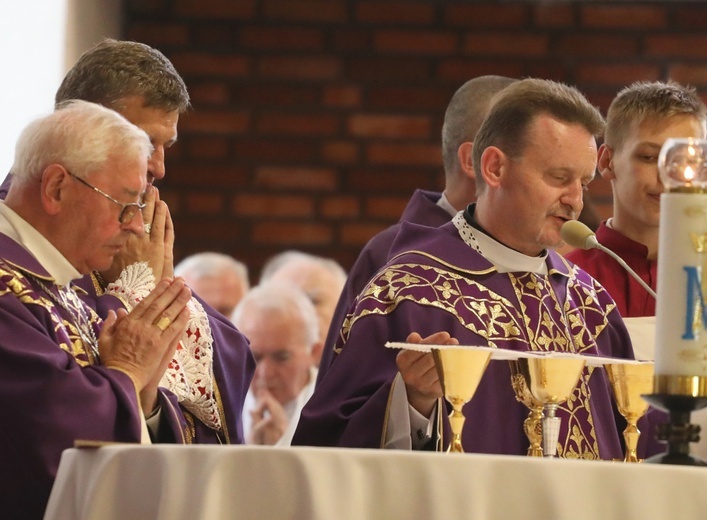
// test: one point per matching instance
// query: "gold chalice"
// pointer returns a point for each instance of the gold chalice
(460, 370)
(551, 380)
(629, 381)
(532, 425)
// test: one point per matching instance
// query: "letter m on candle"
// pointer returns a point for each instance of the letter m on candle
(695, 311)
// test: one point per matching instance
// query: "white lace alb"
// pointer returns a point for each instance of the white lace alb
(190, 373)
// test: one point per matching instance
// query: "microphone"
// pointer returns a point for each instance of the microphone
(577, 234)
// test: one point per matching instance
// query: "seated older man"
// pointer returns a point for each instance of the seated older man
(282, 326)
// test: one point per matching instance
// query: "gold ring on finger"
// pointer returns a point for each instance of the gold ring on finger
(163, 322)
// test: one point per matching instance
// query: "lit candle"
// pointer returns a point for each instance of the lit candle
(681, 310)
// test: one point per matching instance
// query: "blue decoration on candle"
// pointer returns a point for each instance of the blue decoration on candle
(692, 292)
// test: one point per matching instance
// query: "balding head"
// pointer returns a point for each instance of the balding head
(465, 113)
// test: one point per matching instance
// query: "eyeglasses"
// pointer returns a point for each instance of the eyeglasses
(127, 211)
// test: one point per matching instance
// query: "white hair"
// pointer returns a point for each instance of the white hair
(278, 261)
(199, 265)
(280, 299)
(79, 135)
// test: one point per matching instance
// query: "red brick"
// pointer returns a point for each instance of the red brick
(340, 152)
(158, 34)
(388, 180)
(208, 232)
(486, 15)
(690, 16)
(207, 147)
(147, 6)
(554, 14)
(389, 208)
(370, 125)
(600, 97)
(278, 95)
(291, 233)
(340, 207)
(208, 93)
(379, 69)
(186, 175)
(204, 203)
(306, 10)
(342, 96)
(414, 154)
(392, 12)
(266, 151)
(462, 70)
(262, 205)
(292, 178)
(359, 234)
(351, 39)
(689, 74)
(219, 9)
(619, 74)
(548, 69)
(506, 44)
(600, 187)
(297, 124)
(600, 45)
(311, 68)
(623, 16)
(172, 198)
(216, 121)
(285, 38)
(410, 97)
(205, 63)
(677, 45)
(216, 37)
(415, 42)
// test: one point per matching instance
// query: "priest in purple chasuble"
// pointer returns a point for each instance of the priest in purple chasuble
(212, 367)
(490, 277)
(438, 281)
(65, 374)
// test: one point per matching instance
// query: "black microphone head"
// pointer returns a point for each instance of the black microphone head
(577, 234)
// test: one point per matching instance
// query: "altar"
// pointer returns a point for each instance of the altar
(248, 482)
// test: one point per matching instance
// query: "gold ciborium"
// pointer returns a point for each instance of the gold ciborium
(629, 381)
(532, 425)
(551, 380)
(460, 370)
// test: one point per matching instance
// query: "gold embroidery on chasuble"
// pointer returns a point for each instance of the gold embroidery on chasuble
(475, 307)
(562, 327)
(65, 331)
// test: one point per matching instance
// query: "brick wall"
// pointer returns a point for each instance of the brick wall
(314, 120)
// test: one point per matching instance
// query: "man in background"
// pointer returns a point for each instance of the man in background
(282, 326)
(321, 279)
(220, 280)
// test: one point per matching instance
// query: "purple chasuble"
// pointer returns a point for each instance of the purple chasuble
(421, 209)
(53, 390)
(435, 282)
(233, 368)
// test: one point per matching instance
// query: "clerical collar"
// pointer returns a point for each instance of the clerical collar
(444, 203)
(504, 258)
(22, 232)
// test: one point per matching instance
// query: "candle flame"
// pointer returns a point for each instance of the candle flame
(688, 173)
